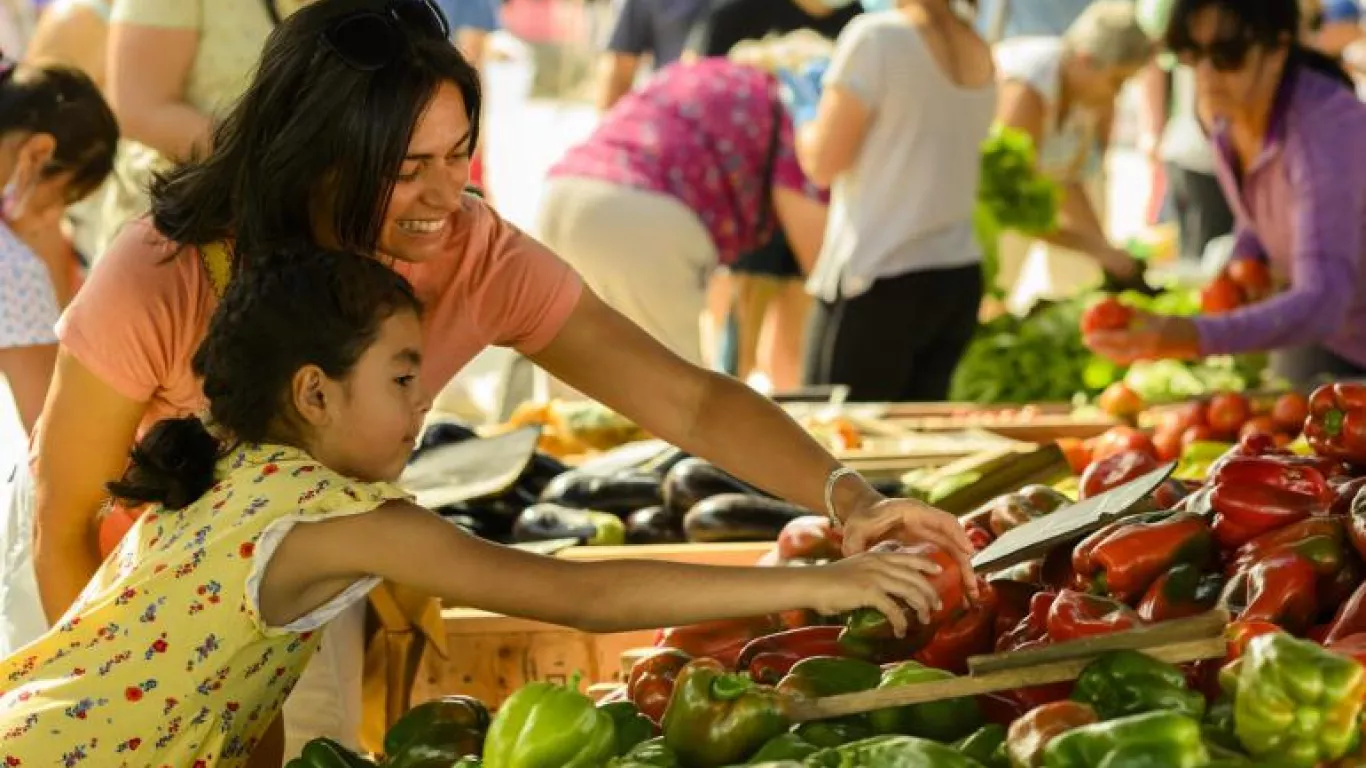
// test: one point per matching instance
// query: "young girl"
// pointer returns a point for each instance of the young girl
(184, 646)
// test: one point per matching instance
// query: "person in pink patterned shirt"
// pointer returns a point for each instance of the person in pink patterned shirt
(685, 174)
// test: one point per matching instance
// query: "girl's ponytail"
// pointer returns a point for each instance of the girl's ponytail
(173, 465)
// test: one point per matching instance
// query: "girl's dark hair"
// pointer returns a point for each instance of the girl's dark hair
(1268, 23)
(322, 308)
(65, 104)
(312, 135)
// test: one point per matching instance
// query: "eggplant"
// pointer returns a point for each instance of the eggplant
(739, 517)
(543, 522)
(540, 472)
(494, 527)
(692, 480)
(653, 525)
(619, 494)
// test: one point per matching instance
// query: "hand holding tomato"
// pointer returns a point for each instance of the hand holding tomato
(1147, 337)
(1108, 314)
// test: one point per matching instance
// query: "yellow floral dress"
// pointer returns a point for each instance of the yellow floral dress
(164, 660)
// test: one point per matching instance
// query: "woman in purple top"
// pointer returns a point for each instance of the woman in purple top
(1290, 143)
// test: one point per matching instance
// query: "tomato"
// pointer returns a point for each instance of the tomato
(1120, 401)
(1220, 296)
(1257, 425)
(1251, 276)
(1168, 444)
(1106, 315)
(1290, 411)
(1228, 412)
(1200, 433)
(1185, 416)
(1077, 452)
(1120, 440)
(1115, 471)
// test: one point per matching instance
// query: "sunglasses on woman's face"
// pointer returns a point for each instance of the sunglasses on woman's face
(374, 35)
(1225, 55)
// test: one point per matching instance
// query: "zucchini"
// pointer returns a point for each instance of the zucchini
(739, 517)
(543, 522)
(619, 494)
(653, 525)
(693, 480)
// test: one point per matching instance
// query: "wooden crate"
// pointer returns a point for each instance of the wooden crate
(491, 656)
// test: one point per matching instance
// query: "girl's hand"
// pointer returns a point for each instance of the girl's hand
(1148, 337)
(886, 581)
(909, 521)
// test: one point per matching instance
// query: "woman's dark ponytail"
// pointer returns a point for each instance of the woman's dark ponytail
(173, 465)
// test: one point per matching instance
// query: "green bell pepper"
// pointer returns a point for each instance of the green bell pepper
(987, 746)
(469, 762)
(1122, 683)
(946, 720)
(1294, 702)
(1173, 738)
(462, 720)
(716, 718)
(890, 751)
(326, 753)
(647, 754)
(549, 726)
(788, 746)
(834, 733)
(631, 726)
(1218, 724)
(821, 676)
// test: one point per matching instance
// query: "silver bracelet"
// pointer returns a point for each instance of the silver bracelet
(835, 477)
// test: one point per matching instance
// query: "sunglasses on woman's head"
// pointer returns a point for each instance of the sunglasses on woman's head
(372, 34)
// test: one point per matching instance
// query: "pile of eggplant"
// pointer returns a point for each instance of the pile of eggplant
(683, 499)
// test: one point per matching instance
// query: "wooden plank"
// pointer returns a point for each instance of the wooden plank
(728, 553)
(869, 701)
(1200, 627)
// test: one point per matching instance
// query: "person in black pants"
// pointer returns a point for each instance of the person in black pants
(732, 21)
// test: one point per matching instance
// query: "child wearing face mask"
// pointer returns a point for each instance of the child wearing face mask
(57, 139)
(185, 644)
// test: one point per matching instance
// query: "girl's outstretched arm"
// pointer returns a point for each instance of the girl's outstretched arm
(407, 544)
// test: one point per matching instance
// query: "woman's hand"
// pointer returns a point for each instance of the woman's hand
(1119, 264)
(909, 521)
(1148, 337)
(882, 580)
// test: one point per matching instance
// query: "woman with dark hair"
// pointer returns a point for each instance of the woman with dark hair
(1290, 144)
(355, 134)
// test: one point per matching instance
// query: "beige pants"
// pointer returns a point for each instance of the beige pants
(645, 254)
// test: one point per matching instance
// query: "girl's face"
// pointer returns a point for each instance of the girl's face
(366, 425)
(419, 220)
(1232, 74)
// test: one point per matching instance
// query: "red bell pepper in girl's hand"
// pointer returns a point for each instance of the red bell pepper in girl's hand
(868, 634)
(1076, 614)
(1127, 561)
(1336, 426)
(971, 634)
(651, 682)
(768, 659)
(1253, 495)
(1281, 589)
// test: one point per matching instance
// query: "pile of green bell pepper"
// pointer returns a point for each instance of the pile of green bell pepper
(1161, 738)
(945, 720)
(1121, 683)
(550, 726)
(716, 718)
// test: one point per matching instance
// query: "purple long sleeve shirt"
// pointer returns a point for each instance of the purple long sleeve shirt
(1302, 206)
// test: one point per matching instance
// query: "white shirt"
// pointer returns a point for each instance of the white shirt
(28, 303)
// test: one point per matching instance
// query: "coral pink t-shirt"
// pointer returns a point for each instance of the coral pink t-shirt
(140, 317)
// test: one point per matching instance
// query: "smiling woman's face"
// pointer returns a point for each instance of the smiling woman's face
(418, 221)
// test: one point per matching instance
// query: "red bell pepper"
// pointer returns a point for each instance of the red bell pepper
(769, 658)
(970, 634)
(1336, 426)
(1057, 571)
(1114, 471)
(1172, 492)
(1030, 629)
(1012, 604)
(651, 682)
(1356, 523)
(1350, 618)
(868, 634)
(810, 538)
(1028, 736)
(1345, 490)
(1077, 614)
(720, 640)
(1253, 495)
(1281, 589)
(1131, 558)
(1321, 540)
(1240, 633)
(1082, 554)
(1337, 588)
(1351, 646)
(1183, 591)
(980, 537)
